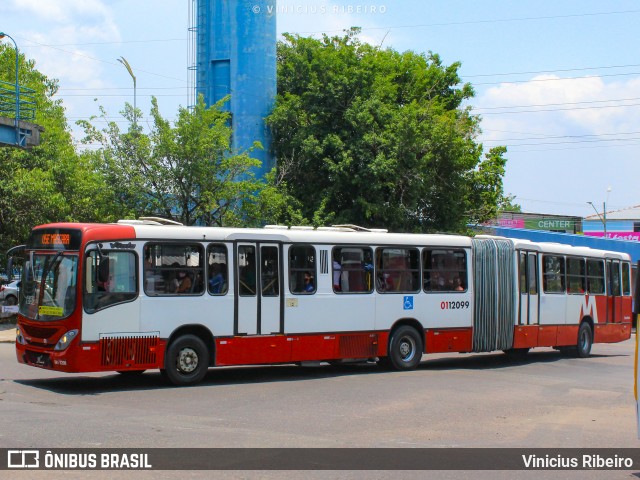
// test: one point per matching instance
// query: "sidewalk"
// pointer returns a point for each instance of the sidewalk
(7, 332)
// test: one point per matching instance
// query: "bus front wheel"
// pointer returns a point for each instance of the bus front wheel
(405, 348)
(186, 361)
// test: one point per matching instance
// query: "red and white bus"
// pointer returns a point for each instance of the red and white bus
(142, 294)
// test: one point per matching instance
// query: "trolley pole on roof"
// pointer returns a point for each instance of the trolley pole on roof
(17, 119)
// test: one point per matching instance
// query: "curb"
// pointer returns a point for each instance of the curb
(7, 338)
(7, 333)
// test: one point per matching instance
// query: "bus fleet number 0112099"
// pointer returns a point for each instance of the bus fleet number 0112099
(454, 305)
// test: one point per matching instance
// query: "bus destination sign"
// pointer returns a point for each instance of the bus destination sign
(55, 239)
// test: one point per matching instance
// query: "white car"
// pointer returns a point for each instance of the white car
(9, 293)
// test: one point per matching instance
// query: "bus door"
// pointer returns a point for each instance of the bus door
(528, 266)
(614, 292)
(259, 289)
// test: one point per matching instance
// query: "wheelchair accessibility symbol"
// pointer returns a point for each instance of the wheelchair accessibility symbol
(408, 302)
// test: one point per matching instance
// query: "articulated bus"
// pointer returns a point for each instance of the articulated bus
(143, 294)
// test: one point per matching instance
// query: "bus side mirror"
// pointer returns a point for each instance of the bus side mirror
(18, 250)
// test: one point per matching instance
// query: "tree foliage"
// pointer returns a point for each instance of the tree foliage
(186, 170)
(49, 182)
(380, 138)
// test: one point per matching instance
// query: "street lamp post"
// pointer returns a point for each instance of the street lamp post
(124, 62)
(603, 217)
(17, 119)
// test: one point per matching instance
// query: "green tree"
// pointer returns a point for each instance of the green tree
(507, 204)
(186, 171)
(379, 138)
(49, 182)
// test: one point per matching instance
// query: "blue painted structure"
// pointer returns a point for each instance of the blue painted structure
(17, 107)
(632, 248)
(236, 55)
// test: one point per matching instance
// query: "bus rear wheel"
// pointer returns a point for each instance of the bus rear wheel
(186, 361)
(585, 340)
(405, 348)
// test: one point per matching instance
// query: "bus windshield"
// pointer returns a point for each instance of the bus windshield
(48, 290)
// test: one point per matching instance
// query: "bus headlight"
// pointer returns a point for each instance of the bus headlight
(65, 340)
(19, 337)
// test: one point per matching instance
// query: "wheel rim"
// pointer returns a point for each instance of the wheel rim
(11, 301)
(584, 340)
(407, 348)
(187, 360)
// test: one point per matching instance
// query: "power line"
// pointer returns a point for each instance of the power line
(94, 89)
(474, 22)
(571, 148)
(565, 136)
(562, 103)
(535, 72)
(559, 79)
(560, 109)
(106, 43)
(595, 140)
(100, 60)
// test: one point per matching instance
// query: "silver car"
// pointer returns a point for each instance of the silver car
(9, 293)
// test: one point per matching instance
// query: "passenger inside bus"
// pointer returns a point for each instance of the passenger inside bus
(308, 283)
(172, 283)
(184, 282)
(216, 279)
(337, 271)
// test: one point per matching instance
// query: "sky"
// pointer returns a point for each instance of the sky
(558, 83)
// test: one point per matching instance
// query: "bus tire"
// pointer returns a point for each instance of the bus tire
(585, 340)
(186, 361)
(405, 348)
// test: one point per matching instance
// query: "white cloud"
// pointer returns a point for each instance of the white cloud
(572, 138)
(63, 11)
(548, 104)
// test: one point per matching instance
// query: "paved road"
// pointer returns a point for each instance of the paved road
(546, 400)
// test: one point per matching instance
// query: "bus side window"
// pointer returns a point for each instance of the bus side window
(626, 285)
(533, 273)
(575, 275)
(444, 270)
(112, 278)
(397, 270)
(302, 269)
(218, 271)
(595, 277)
(553, 280)
(174, 269)
(246, 262)
(356, 269)
(614, 278)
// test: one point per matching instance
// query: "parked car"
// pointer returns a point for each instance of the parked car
(9, 293)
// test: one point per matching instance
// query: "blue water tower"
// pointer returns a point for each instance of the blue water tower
(236, 55)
